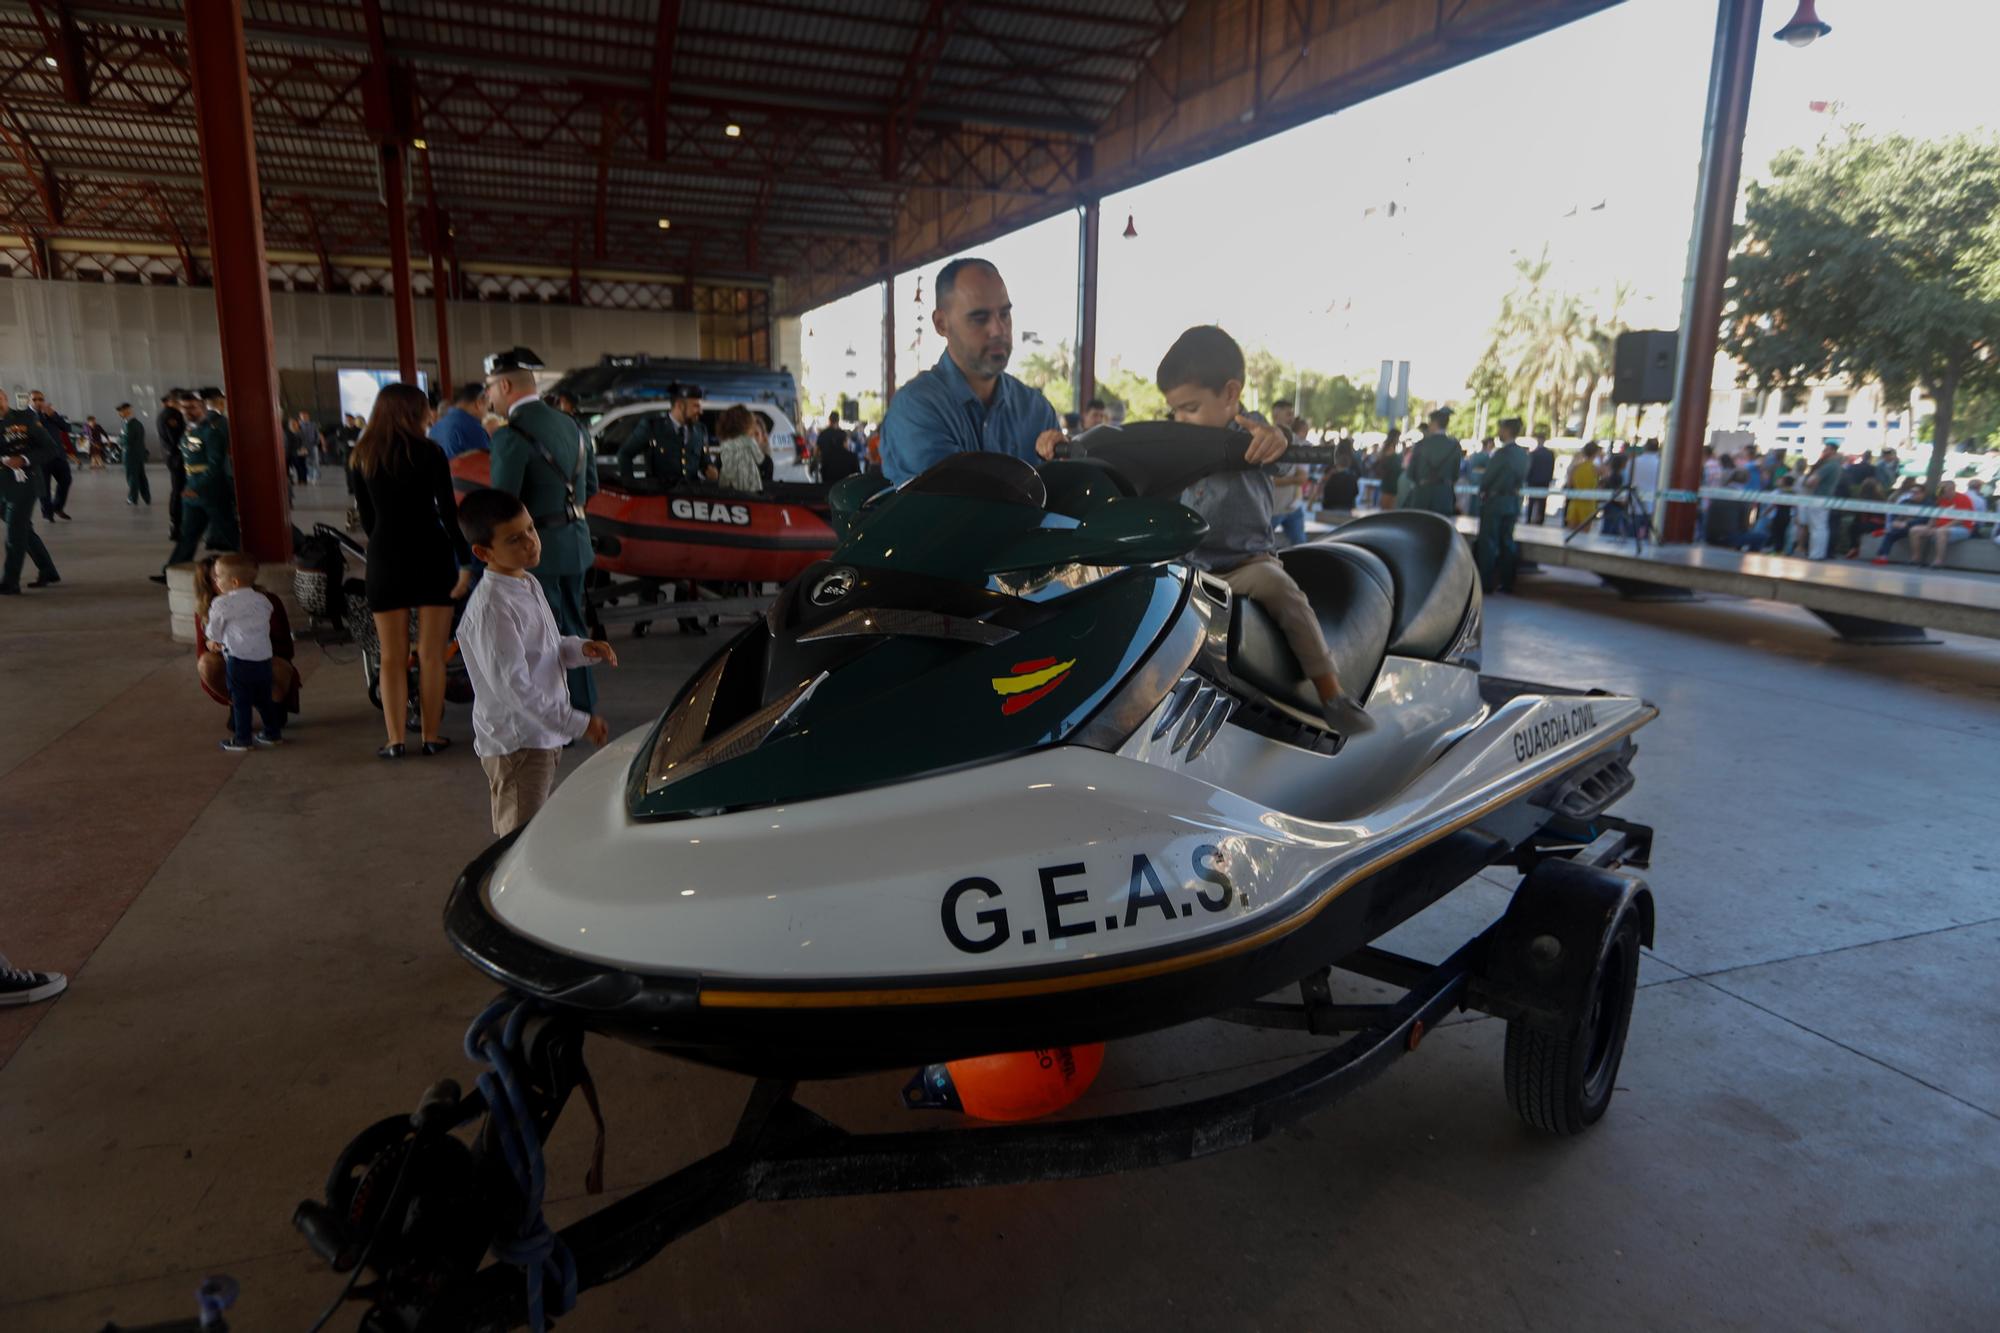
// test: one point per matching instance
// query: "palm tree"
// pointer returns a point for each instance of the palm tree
(1548, 342)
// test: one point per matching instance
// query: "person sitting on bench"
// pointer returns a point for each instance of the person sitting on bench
(1930, 542)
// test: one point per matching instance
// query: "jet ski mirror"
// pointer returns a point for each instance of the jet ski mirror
(847, 497)
(1116, 532)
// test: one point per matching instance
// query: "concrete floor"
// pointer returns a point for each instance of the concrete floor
(1807, 1133)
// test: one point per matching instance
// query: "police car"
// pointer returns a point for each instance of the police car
(610, 430)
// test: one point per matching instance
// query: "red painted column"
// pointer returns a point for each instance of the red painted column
(440, 291)
(221, 81)
(1736, 36)
(395, 196)
(1086, 304)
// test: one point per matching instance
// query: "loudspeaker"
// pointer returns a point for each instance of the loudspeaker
(1643, 366)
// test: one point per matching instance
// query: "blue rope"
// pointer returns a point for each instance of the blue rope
(535, 1249)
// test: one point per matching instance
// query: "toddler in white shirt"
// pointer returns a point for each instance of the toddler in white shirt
(521, 713)
(239, 623)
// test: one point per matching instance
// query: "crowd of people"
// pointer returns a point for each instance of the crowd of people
(1609, 487)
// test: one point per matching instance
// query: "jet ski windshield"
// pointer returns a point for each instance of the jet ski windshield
(999, 477)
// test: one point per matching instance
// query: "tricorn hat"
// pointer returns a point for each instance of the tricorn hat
(514, 358)
(680, 389)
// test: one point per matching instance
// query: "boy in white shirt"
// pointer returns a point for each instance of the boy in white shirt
(239, 623)
(521, 713)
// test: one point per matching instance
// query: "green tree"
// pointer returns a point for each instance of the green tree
(1052, 370)
(1549, 349)
(1142, 398)
(1875, 258)
(1975, 419)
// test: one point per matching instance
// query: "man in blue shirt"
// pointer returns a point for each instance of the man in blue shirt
(459, 429)
(967, 402)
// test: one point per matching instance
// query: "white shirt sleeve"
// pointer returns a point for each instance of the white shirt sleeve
(218, 623)
(572, 652)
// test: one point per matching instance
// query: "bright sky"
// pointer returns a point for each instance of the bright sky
(1288, 243)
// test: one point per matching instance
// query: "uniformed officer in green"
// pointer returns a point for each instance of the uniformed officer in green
(674, 443)
(26, 448)
(132, 445)
(545, 458)
(1434, 467)
(208, 503)
(1499, 506)
(223, 532)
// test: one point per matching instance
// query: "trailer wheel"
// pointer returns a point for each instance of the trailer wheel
(1561, 1082)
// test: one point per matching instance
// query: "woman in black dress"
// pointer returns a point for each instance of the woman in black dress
(417, 558)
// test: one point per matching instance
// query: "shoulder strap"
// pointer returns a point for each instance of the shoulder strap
(546, 454)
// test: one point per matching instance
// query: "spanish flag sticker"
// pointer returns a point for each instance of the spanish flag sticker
(1030, 681)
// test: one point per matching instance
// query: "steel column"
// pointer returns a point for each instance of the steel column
(1086, 303)
(1737, 24)
(440, 289)
(396, 200)
(888, 339)
(221, 79)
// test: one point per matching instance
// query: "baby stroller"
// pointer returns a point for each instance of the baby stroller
(360, 624)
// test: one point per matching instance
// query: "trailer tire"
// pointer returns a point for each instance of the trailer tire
(1561, 1082)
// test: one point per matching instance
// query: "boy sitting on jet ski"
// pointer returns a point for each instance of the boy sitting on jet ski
(1202, 377)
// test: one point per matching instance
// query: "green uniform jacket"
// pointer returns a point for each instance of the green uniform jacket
(1500, 487)
(540, 455)
(132, 442)
(205, 459)
(1434, 472)
(670, 460)
(22, 432)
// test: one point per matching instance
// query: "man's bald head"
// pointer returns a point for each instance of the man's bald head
(948, 277)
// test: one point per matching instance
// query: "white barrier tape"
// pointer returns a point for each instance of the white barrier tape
(1883, 507)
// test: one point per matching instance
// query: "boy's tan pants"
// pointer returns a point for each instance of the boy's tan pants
(519, 784)
(1264, 581)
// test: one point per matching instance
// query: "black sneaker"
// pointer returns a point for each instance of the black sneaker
(46, 581)
(266, 741)
(20, 986)
(156, 578)
(234, 746)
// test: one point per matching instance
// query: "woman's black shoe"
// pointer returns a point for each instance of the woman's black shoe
(390, 752)
(438, 746)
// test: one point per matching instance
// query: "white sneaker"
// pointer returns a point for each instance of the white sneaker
(19, 986)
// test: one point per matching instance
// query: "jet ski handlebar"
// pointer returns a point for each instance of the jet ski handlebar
(1164, 458)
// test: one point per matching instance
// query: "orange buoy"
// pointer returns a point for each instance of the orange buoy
(1020, 1085)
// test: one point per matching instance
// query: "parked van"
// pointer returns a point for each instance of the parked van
(621, 380)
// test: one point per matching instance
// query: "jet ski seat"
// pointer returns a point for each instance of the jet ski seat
(1352, 593)
(1435, 577)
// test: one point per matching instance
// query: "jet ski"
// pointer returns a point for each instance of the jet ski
(706, 534)
(1002, 773)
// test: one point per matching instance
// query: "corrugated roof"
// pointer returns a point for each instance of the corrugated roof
(534, 111)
